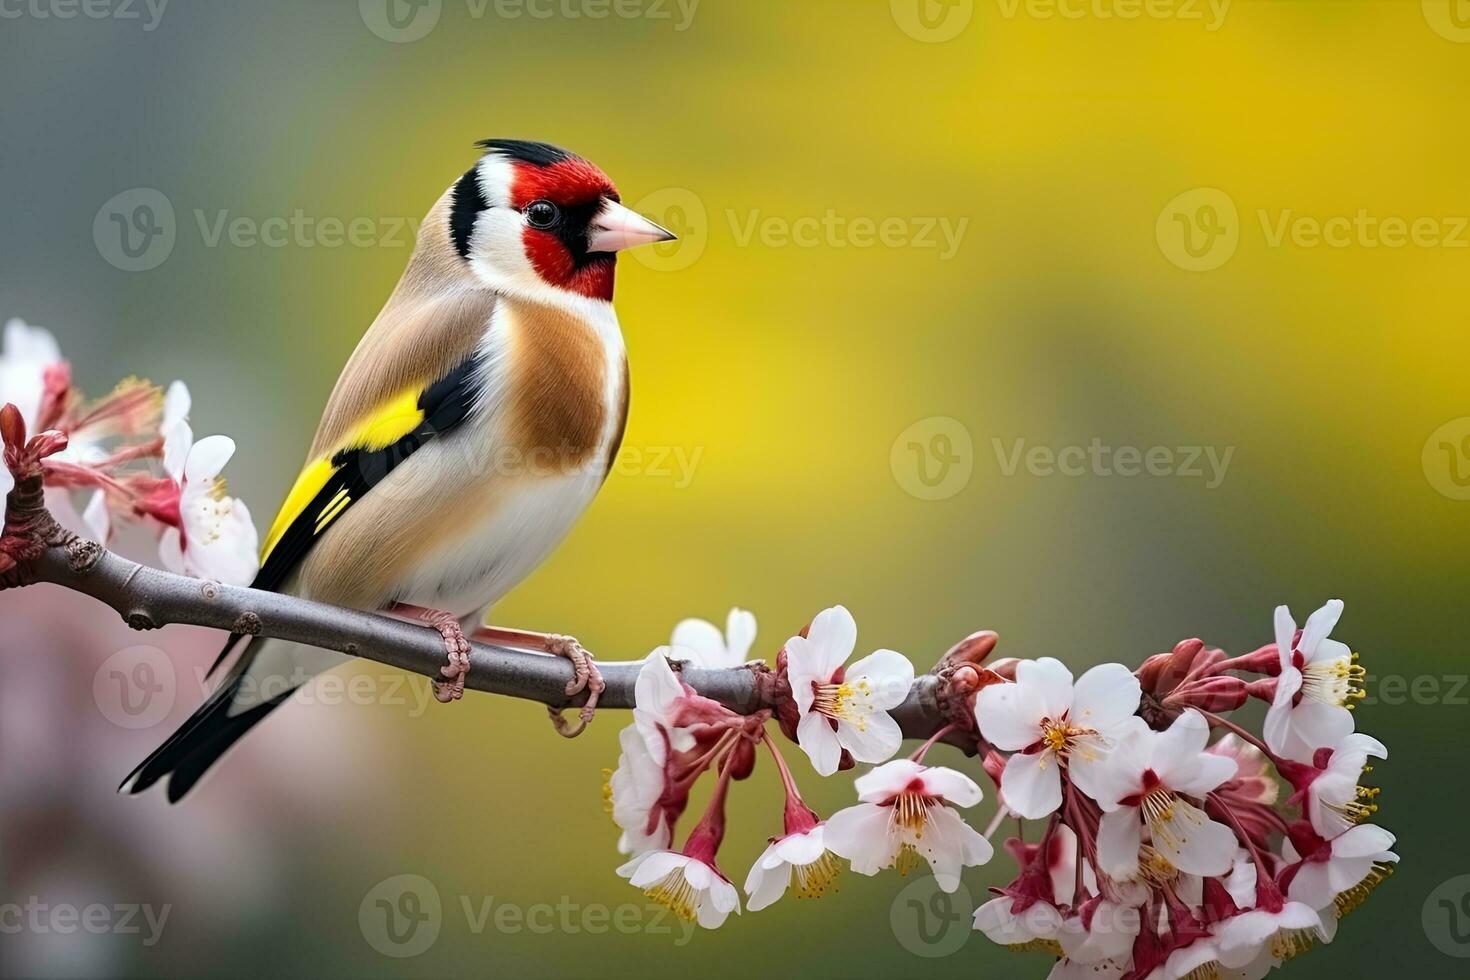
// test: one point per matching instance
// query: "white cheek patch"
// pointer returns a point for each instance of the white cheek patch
(497, 174)
(497, 249)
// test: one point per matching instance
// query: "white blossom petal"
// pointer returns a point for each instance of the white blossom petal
(1032, 784)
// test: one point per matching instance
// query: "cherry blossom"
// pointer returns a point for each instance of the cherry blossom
(908, 810)
(693, 889)
(1146, 785)
(844, 708)
(702, 644)
(1319, 681)
(1052, 727)
(1339, 873)
(1329, 787)
(801, 857)
(214, 537)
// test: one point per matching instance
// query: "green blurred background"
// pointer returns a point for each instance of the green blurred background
(1069, 154)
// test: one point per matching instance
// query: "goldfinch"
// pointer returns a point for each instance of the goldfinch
(472, 426)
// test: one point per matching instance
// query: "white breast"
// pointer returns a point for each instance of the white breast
(531, 508)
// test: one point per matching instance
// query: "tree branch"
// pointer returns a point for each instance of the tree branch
(34, 549)
(147, 598)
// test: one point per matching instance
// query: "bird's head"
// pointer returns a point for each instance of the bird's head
(532, 217)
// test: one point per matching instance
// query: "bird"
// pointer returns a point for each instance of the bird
(473, 424)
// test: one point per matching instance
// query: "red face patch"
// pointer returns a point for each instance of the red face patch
(576, 186)
(569, 183)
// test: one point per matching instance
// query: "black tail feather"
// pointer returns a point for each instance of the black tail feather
(201, 741)
(230, 646)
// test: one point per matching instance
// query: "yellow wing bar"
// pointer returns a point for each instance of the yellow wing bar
(381, 429)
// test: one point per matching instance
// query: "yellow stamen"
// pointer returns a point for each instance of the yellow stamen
(1062, 739)
(818, 878)
(1048, 946)
(1154, 868)
(1207, 971)
(1339, 681)
(1358, 894)
(676, 894)
(840, 701)
(1359, 809)
(1170, 819)
(1290, 943)
(908, 859)
(607, 791)
(911, 811)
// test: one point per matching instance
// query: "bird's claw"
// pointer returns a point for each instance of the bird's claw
(585, 677)
(457, 647)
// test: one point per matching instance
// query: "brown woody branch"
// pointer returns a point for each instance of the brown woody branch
(36, 550)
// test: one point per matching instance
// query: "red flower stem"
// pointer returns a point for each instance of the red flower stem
(923, 750)
(1231, 726)
(792, 793)
(1244, 837)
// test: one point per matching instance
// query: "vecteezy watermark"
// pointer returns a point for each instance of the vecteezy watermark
(38, 916)
(301, 229)
(1210, 13)
(137, 229)
(1450, 19)
(936, 21)
(930, 922)
(1446, 917)
(146, 12)
(1446, 459)
(934, 458)
(1200, 230)
(402, 916)
(1206, 463)
(932, 21)
(1421, 690)
(136, 687)
(833, 230)
(403, 21)
(684, 213)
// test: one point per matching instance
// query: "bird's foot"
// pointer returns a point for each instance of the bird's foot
(585, 675)
(456, 647)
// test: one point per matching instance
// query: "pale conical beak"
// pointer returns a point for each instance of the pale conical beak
(616, 228)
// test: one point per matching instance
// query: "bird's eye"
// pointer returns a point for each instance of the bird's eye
(542, 214)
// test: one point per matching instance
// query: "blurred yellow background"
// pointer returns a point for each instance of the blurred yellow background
(928, 245)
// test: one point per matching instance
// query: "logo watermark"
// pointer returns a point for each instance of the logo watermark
(136, 687)
(1450, 19)
(35, 915)
(932, 21)
(930, 922)
(682, 212)
(1200, 230)
(685, 214)
(1446, 459)
(1208, 464)
(937, 21)
(1446, 917)
(1210, 13)
(831, 229)
(147, 13)
(934, 458)
(135, 230)
(404, 915)
(405, 21)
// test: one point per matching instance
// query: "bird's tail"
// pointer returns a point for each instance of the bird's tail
(237, 706)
